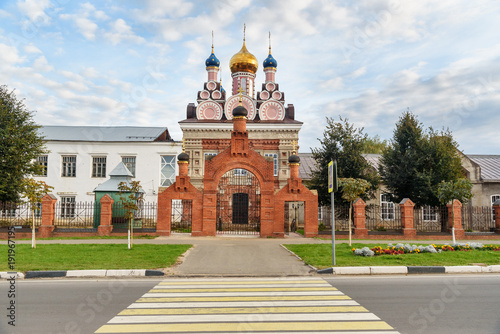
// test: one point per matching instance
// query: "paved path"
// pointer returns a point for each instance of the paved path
(246, 305)
(241, 257)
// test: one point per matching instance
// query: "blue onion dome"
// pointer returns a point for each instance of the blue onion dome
(294, 159)
(270, 62)
(240, 111)
(183, 157)
(212, 60)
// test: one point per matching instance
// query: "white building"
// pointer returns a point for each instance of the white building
(79, 158)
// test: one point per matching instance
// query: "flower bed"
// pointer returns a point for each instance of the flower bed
(413, 249)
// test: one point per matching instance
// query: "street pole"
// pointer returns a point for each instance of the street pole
(333, 228)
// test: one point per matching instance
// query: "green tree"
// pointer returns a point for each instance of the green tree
(131, 196)
(375, 145)
(20, 145)
(417, 161)
(344, 143)
(33, 191)
(351, 190)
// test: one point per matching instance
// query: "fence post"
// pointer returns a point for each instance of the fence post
(496, 208)
(456, 207)
(407, 218)
(105, 226)
(360, 218)
(163, 213)
(48, 215)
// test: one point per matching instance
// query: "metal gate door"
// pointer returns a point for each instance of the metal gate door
(238, 203)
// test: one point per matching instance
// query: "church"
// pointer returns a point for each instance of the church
(239, 169)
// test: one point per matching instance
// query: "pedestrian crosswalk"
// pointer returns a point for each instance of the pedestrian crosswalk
(246, 305)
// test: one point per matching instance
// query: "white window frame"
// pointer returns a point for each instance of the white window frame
(68, 167)
(43, 160)
(240, 171)
(429, 213)
(68, 206)
(494, 198)
(99, 166)
(131, 165)
(387, 210)
(275, 161)
(167, 180)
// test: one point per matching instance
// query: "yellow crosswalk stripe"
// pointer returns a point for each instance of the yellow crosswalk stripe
(249, 289)
(242, 298)
(250, 326)
(245, 310)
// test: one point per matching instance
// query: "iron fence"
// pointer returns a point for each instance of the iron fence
(383, 217)
(431, 219)
(477, 218)
(144, 216)
(15, 214)
(341, 218)
(181, 217)
(75, 215)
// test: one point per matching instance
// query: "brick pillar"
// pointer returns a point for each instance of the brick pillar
(406, 206)
(496, 207)
(457, 208)
(163, 213)
(105, 226)
(48, 216)
(359, 217)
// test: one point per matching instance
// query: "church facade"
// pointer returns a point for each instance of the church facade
(239, 171)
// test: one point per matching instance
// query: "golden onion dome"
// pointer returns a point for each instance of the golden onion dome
(243, 61)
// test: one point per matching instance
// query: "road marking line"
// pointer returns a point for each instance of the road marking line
(243, 298)
(242, 327)
(248, 289)
(210, 318)
(246, 310)
(236, 294)
(224, 285)
(284, 303)
(228, 281)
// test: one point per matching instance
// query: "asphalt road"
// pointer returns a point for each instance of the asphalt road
(411, 304)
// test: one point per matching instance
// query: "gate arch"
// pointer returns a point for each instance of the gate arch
(238, 203)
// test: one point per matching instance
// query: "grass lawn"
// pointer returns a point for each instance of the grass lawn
(92, 256)
(320, 256)
(145, 236)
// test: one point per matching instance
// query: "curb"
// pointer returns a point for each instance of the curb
(401, 270)
(83, 273)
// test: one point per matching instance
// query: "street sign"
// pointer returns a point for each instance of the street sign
(332, 177)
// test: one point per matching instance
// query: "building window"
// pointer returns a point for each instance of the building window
(68, 166)
(494, 198)
(207, 156)
(387, 207)
(99, 167)
(43, 160)
(430, 213)
(167, 170)
(67, 206)
(129, 162)
(240, 171)
(275, 160)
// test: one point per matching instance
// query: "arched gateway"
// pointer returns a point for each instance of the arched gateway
(234, 184)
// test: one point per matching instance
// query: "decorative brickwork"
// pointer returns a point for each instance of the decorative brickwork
(48, 215)
(407, 222)
(456, 206)
(360, 230)
(105, 226)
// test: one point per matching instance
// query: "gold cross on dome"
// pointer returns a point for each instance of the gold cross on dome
(240, 90)
(183, 145)
(294, 144)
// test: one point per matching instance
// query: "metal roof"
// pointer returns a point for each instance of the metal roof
(307, 165)
(490, 165)
(104, 133)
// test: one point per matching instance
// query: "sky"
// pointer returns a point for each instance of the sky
(140, 63)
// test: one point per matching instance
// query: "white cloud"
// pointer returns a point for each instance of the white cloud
(31, 49)
(9, 55)
(35, 10)
(40, 64)
(121, 31)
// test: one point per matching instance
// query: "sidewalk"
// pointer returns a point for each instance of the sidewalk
(246, 256)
